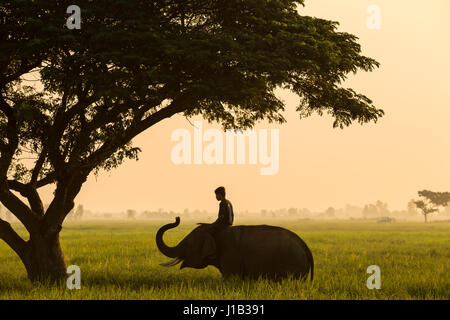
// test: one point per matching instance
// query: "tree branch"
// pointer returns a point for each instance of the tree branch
(28, 191)
(24, 68)
(8, 150)
(62, 119)
(21, 187)
(103, 118)
(26, 216)
(11, 238)
(110, 146)
(38, 166)
(17, 186)
(66, 191)
(6, 108)
(50, 178)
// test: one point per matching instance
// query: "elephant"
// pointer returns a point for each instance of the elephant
(249, 251)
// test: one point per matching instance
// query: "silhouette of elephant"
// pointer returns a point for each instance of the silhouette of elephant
(247, 250)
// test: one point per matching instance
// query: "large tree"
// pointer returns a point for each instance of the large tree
(133, 64)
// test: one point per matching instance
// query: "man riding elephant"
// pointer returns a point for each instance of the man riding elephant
(226, 215)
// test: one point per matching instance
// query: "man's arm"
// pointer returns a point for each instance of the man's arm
(223, 213)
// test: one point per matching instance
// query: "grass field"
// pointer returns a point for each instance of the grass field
(119, 260)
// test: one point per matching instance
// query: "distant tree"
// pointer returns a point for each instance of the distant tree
(382, 207)
(147, 214)
(304, 213)
(368, 210)
(79, 212)
(432, 201)
(377, 209)
(292, 212)
(447, 210)
(71, 215)
(330, 212)
(76, 214)
(411, 208)
(131, 214)
(351, 210)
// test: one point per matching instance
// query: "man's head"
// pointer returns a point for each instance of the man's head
(220, 193)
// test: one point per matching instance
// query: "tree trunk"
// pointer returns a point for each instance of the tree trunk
(44, 260)
(425, 218)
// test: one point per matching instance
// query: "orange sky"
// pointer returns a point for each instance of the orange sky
(407, 150)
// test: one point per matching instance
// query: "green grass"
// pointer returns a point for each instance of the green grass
(119, 260)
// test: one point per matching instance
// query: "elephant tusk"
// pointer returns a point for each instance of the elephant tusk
(171, 263)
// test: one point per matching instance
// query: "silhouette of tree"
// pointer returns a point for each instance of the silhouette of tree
(378, 209)
(330, 212)
(292, 212)
(431, 201)
(131, 214)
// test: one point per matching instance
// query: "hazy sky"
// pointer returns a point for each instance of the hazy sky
(406, 151)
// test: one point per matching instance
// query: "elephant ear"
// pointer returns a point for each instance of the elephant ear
(209, 247)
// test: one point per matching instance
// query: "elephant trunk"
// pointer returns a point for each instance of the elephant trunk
(171, 252)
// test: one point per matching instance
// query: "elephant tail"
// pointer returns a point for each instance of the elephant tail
(312, 263)
(310, 258)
